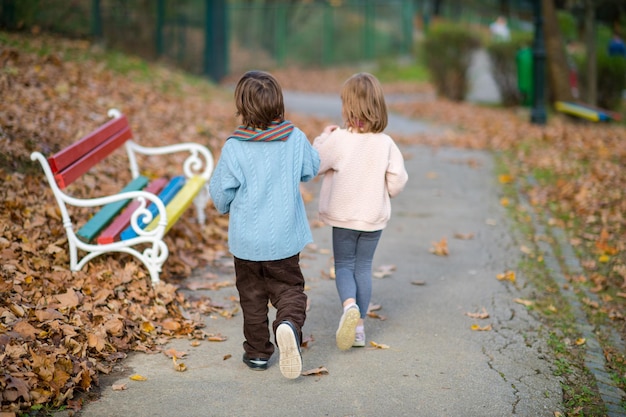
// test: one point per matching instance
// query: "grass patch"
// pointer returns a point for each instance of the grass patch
(580, 395)
(392, 71)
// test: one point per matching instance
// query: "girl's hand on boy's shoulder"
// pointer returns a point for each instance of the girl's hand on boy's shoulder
(330, 128)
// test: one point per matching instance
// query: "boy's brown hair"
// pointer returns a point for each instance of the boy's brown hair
(259, 100)
(363, 103)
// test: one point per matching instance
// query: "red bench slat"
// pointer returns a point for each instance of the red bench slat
(121, 222)
(67, 156)
(82, 165)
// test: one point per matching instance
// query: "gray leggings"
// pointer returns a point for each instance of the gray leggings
(353, 251)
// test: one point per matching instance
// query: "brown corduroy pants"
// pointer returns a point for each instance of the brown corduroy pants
(280, 282)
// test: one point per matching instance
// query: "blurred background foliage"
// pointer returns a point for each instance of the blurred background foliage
(428, 40)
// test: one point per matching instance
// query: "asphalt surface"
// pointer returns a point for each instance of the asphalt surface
(427, 360)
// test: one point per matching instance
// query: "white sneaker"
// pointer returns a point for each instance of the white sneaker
(347, 327)
(359, 337)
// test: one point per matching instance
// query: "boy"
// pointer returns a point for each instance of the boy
(257, 180)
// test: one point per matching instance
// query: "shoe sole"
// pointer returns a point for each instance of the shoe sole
(347, 329)
(290, 359)
(358, 344)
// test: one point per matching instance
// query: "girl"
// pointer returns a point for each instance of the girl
(363, 168)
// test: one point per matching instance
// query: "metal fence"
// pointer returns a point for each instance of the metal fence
(214, 37)
(322, 33)
(194, 34)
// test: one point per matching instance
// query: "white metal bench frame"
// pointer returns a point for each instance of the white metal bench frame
(199, 162)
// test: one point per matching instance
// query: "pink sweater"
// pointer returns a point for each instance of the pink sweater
(362, 171)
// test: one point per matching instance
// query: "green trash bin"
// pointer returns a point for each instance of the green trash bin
(524, 59)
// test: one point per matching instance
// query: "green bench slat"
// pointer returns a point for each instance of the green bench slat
(101, 219)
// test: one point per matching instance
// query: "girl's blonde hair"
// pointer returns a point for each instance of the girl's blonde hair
(363, 103)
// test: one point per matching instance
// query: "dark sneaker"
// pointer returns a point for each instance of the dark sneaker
(289, 346)
(346, 331)
(257, 364)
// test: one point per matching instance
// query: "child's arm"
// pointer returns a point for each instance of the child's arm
(396, 176)
(310, 162)
(223, 186)
(324, 135)
(324, 147)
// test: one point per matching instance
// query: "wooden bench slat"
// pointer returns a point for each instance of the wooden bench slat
(181, 202)
(166, 196)
(121, 222)
(67, 156)
(82, 165)
(106, 214)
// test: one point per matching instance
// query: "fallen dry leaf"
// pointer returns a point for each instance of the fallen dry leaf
(505, 179)
(378, 346)
(483, 314)
(374, 315)
(137, 377)
(590, 303)
(479, 328)
(173, 353)
(216, 338)
(178, 366)
(521, 301)
(317, 371)
(464, 236)
(506, 276)
(306, 341)
(440, 248)
(119, 387)
(171, 324)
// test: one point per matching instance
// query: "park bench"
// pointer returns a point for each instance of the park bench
(136, 219)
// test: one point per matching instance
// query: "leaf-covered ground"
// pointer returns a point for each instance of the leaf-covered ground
(60, 330)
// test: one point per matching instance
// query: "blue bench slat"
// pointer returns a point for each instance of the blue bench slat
(101, 219)
(166, 196)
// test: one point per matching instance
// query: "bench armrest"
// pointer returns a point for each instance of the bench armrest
(199, 162)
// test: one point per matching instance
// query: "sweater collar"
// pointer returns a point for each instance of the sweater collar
(276, 131)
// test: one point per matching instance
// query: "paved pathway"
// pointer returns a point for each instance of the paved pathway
(435, 364)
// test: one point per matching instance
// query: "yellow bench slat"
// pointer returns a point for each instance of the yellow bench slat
(180, 202)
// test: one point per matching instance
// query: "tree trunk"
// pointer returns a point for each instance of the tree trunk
(505, 8)
(591, 85)
(437, 6)
(558, 69)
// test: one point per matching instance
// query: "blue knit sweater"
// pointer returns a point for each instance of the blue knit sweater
(258, 183)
